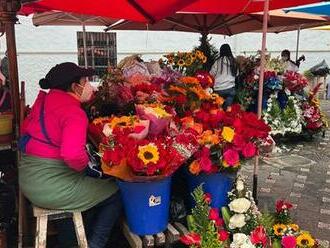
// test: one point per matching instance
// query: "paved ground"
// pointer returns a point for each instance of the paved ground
(300, 174)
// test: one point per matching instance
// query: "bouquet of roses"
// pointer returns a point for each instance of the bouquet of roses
(294, 81)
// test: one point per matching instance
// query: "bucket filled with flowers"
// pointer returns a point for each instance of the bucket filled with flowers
(143, 163)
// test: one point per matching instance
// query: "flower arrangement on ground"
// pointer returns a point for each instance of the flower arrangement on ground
(242, 225)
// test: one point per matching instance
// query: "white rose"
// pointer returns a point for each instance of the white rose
(240, 205)
(107, 130)
(237, 221)
(239, 185)
(241, 240)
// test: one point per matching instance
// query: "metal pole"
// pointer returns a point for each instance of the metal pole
(260, 92)
(298, 41)
(85, 45)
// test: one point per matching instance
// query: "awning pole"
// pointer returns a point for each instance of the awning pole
(85, 45)
(260, 92)
(298, 41)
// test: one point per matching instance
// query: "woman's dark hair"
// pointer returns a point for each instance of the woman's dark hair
(285, 53)
(226, 53)
(45, 84)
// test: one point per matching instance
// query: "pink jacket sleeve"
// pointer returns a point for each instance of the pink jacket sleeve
(74, 134)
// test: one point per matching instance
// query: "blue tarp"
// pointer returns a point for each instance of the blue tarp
(322, 9)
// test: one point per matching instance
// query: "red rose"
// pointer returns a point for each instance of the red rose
(207, 198)
(191, 239)
(249, 150)
(239, 141)
(231, 157)
(214, 214)
(219, 222)
(223, 235)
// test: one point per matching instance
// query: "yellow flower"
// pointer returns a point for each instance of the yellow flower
(160, 112)
(180, 62)
(305, 240)
(101, 120)
(193, 57)
(121, 121)
(199, 54)
(294, 227)
(204, 59)
(188, 61)
(148, 154)
(279, 229)
(170, 61)
(195, 167)
(228, 134)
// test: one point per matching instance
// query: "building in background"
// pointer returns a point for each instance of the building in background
(39, 48)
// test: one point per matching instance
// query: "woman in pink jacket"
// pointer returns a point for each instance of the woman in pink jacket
(51, 173)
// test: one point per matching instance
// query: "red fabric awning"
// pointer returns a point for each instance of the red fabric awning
(240, 6)
(135, 10)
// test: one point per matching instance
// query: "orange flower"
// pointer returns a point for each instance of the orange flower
(208, 137)
(217, 99)
(199, 91)
(188, 122)
(195, 167)
(177, 89)
(189, 80)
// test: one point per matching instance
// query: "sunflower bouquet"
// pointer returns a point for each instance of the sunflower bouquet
(185, 62)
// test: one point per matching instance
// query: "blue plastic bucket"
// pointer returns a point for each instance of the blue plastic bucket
(216, 184)
(146, 205)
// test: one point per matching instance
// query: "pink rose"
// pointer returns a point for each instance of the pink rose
(231, 157)
(289, 242)
(249, 150)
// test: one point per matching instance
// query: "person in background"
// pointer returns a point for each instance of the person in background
(5, 98)
(224, 71)
(289, 64)
(5, 66)
(51, 172)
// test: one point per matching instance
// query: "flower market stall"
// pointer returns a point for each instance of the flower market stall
(290, 106)
(149, 120)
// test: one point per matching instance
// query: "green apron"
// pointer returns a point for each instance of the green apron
(50, 183)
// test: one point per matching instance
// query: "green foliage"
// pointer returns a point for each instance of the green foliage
(200, 223)
(209, 50)
(267, 220)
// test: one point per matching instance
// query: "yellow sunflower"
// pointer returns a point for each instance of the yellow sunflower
(279, 229)
(180, 62)
(204, 59)
(228, 134)
(199, 54)
(148, 154)
(170, 60)
(294, 227)
(123, 121)
(305, 240)
(188, 61)
(193, 57)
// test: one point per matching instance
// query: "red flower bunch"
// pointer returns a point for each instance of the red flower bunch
(282, 205)
(294, 81)
(146, 87)
(269, 74)
(259, 236)
(205, 78)
(191, 239)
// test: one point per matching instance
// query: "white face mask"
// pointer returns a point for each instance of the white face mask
(87, 92)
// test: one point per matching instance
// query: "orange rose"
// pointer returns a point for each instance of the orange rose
(194, 167)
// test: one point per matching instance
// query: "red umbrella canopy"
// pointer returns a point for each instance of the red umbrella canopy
(135, 10)
(240, 6)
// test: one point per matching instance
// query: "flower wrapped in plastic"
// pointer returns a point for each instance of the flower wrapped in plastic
(294, 81)
(157, 115)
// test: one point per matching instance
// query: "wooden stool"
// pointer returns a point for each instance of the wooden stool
(43, 215)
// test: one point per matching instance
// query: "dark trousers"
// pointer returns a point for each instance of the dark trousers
(98, 222)
(228, 95)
